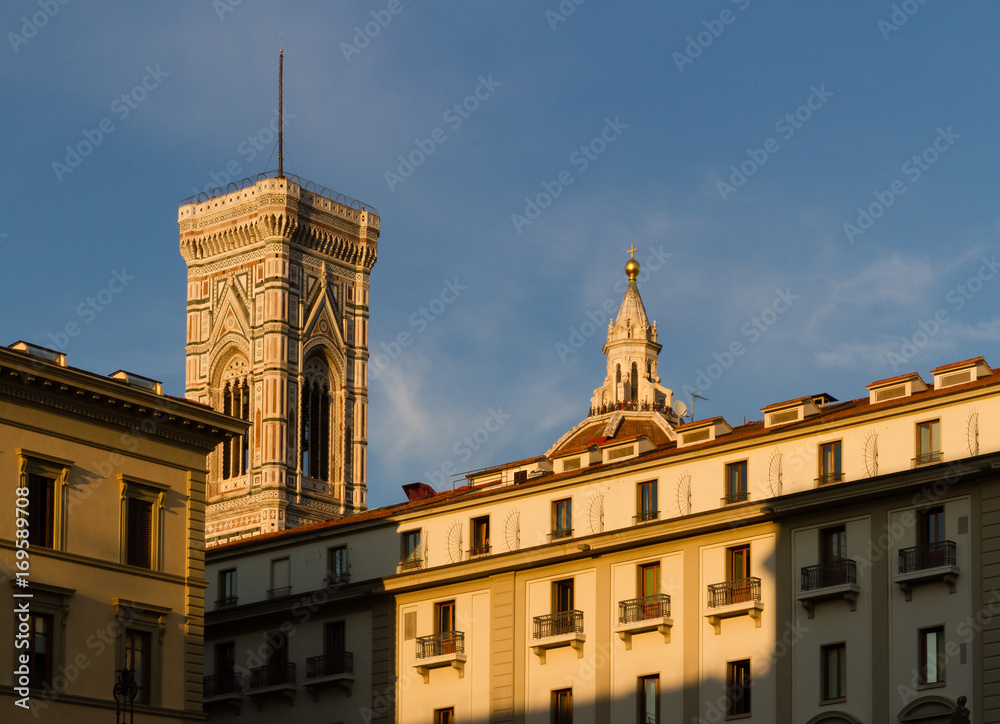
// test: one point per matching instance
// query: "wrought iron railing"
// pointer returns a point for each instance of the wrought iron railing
(482, 549)
(411, 563)
(929, 555)
(927, 457)
(735, 496)
(267, 675)
(644, 608)
(743, 590)
(226, 601)
(644, 516)
(441, 644)
(279, 592)
(832, 573)
(555, 624)
(341, 662)
(831, 477)
(219, 684)
(558, 533)
(337, 579)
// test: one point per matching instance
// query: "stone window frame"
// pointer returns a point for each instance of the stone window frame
(152, 492)
(147, 618)
(31, 462)
(52, 601)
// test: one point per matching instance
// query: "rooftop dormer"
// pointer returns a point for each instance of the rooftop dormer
(958, 373)
(894, 387)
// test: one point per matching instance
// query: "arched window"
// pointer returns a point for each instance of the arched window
(314, 422)
(634, 380)
(236, 402)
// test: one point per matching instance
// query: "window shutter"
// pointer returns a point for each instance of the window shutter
(41, 510)
(139, 551)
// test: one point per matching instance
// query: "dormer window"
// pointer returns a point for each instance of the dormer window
(958, 373)
(895, 387)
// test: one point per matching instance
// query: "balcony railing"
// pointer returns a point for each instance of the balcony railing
(333, 580)
(279, 592)
(927, 457)
(930, 555)
(744, 590)
(411, 563)
(269, 675)
(833, 573)
(735, 497)
(341, 662)
(220, 684)
(556, 624)
(441, 644)
(482, 549)
(226, 602)
(644, 609)
(644, 516)
(831, 477)
(558, 533)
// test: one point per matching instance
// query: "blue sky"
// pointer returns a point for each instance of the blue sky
(814, 183)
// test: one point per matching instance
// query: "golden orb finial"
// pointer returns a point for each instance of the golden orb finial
(632, 266)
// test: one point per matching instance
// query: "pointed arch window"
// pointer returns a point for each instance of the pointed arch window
(634, 383)
(314, 422)
(236, 402)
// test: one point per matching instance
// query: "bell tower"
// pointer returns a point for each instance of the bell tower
(277, 334)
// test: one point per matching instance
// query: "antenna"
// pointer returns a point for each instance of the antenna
(281, 78)
(693, 396)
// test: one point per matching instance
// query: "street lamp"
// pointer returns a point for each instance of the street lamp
(125, 692)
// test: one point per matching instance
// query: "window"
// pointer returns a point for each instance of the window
(45, 478)
(833, 544)
(562, 706)
(444, 716)
(314, 426)
(932, 655)
(227, 588)
(736, 483)
(834, 672)
(280, 578)
(236, 450)
(225, 659)
(741, 590)
(928, 442)
(649, 579)
(562, 518)
(336, 659)
(932, 547)
(142, 522)
(649, 699)
(633, 383)
(338, 568)
(830, 470)
(410, 555)
(40, 647)
(137, 658)
(646, 505)
(738, 687)
(479, 545)
(444, 627)
(562, 596)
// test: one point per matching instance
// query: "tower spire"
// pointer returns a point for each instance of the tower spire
(281, 141)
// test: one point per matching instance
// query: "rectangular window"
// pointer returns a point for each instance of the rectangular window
(444, 716)
(736, 483)
(738, 562)
(562, 596)
(932, 655)
(225, 658)
(479, 545)
(930, 528)
(139, 544)
(410, 555)
(562, 706)
(334, 638)
(830, 470)
(137, 653)
(649, 699)
(833, 544)
(738, 687)
(444, 627)
(280, 578)
(647, 507)
(562, 518)
(834, 672)
(41, 510)
(227, 588)
(338, 570)
(40, 648)
(928, 442)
